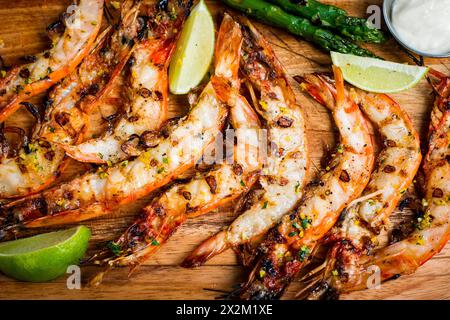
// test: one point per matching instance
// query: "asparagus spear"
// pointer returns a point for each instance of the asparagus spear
(273, 15)
(320, 14)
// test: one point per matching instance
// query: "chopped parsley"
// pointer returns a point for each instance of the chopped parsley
(306, 223)
(303, 253)
(297, 187)
(160, 170)
(115, 248)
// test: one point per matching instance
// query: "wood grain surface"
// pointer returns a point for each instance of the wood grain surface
(22, 31)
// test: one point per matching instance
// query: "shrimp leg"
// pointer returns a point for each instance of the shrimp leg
(284, 173)
(68, 107)
(82, 24)
(288, 245)
(205, 192)
(355, 234)
(148, 94)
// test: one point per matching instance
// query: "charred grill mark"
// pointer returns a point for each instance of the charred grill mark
(390, 143)
(47, 102)
(153, 163)
(143, 27)
(212, 183)
(438, 193)
(187, 195)
(275, 236)
(68, 195)
(93, 89)
(283, 181)
(159, 210)
(44, 144)
(62, 118)
(404, 203)
(24, 73)
(284, 122)
(237, 169)
(56, 28)
(268, 267)
(345, 177)
(144, 93)
(389, 169)
(28, 58)
(149, 139)
(158, 95)
(49, 155)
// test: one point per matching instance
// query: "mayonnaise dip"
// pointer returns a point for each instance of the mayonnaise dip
(423, 24)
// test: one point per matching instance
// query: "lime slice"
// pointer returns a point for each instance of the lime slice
(377, 75)
(194, 51)
(43, 257)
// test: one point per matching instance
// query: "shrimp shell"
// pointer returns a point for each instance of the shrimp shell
(433, 226)
(206, 191)
(148, 93)
(82, 24)
(68, 107)
(355, 234)
(284, 172)
(288, 245)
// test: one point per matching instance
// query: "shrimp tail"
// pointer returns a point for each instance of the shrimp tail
(339, 83)
(229, 42)
(209, 248)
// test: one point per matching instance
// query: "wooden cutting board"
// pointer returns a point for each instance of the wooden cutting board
(22, 31)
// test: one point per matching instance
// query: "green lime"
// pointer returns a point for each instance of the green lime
(194, 51)
(377, 75)
(44, 257)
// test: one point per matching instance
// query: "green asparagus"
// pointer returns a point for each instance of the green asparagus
(273, 15)
(357, 29)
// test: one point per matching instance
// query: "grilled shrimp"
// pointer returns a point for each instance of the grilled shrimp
(355, 234)
(68, 106)
(148, 96)
(97, 193)
(284, 173)
(432, 227)
(82, 23)
(207, 191)
(288, 245)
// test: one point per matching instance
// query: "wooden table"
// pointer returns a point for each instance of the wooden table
(22, 30)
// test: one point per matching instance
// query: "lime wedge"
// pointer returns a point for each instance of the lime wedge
(43, 257)
(378, 75)
(194, 51)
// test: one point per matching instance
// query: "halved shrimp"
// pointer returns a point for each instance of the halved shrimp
(206, 191)
(82, 23)
(356, 232)
(284, 174)
(97, 193)
(148, 94)
(288, 245)
(433, 226)
(68, 107)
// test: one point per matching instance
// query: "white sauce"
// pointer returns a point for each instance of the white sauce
(423, 24)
